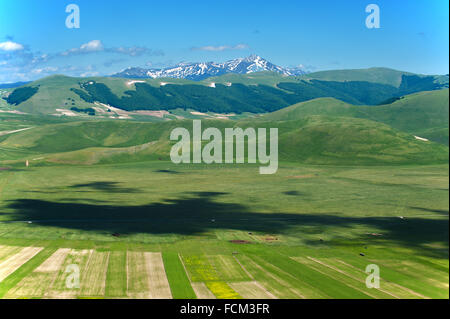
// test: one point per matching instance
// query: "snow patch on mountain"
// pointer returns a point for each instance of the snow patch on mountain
(200, 71)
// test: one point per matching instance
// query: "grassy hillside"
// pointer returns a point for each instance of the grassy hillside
(231, 93)
(311, 139)
(424, 114)
(257, 78)
(375, 75)
(55, 92)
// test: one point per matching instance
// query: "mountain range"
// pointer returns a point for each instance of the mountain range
(201, 71)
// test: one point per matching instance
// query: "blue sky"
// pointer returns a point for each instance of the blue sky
(320, 35)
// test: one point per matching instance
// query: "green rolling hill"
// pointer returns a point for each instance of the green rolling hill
(375, 75)
(314, 139)
(329, 125)
(254, 93)
(424, 114)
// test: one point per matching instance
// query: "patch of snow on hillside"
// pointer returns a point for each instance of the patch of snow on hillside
(421, 138)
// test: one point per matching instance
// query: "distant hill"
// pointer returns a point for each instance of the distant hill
(425, 114)
(230, 93)
(12, 85)
(374, 75)
(312, 139)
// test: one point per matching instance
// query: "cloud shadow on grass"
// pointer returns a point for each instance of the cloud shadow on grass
(197, 213)
(167, 171)
(293, 193)
(105, 186)
(431, 210)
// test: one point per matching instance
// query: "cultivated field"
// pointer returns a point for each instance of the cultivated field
(157, 230)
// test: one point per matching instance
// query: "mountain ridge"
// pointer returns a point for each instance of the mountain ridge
(201, 70)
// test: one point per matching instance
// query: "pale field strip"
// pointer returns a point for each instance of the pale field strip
(65, 112)
(229, 269)
(35, 285)
(40, 281)
(285, 290)
(11, 264)
(54, 262)
(59, 288)
(201, 291)
(137, 276)
(93, 276)
(322, 262)
(157, 279)
(400, 291)
(267, 292)
(307, 289)
(6, 251)
(159, 114)
(413, 268)
(14, 131)
(313, 264)
(251, 290)
(127, 272)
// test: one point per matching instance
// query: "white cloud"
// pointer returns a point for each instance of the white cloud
(45, 70)
(221, 47)
(11, 46)
(89, 73)
(91, 46)
(94, 45)
(135, 51)
(18, 61)
(97, 46)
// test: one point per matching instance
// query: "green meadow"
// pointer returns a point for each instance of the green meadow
(221, 225)
(356, 185)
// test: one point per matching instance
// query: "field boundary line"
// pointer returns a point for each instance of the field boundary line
(327, 275)
(243, 268)
(291, 275)
(253, 278)
(126, 260)
(184, 267)
(14, 262)
(196, 286)
(236, 287)
(350, 276)
(404, 288)
(281, 281)
(23, 271)
(393, 283)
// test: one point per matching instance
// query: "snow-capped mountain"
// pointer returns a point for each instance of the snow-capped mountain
(200, 71)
